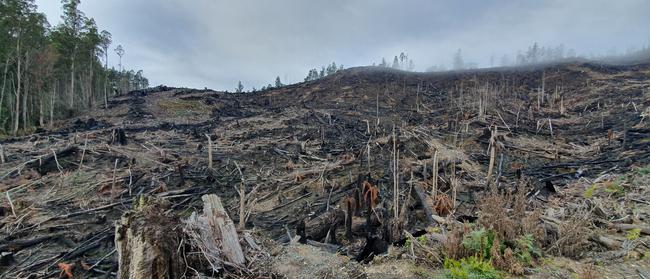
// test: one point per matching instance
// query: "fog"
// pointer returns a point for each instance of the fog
(216, 43)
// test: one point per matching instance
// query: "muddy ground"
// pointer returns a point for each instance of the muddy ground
(302, 149)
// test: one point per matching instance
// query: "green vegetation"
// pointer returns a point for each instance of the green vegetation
(183, 107)
(54, 72)
(633, 234)
(526, 249)
(589, 192)
(470, 268)
(479, 242)
(643, 171)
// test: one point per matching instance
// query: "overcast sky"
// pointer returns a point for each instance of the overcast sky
(215, 43)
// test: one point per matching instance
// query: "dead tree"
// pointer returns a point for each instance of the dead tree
(493, 148)
(350, 205)
(434, 176)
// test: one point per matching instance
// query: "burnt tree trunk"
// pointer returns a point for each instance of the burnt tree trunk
(147, 241)
(318, 227)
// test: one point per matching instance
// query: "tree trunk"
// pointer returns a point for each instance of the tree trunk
(4, 81)
(52, 98)
(72, 78)
(41, 121)
(18, 73)
(90, 83)
(106, 79)
(147, 241)
(26, 89)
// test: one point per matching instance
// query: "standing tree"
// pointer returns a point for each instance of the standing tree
(395, 63)
(383, 63)
(278, 83)
(73, 22)
(40, 61)
(402, 60)
(240, 87)
(532, 55)
(105, 43)
(119, 50)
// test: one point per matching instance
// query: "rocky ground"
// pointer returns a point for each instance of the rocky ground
(572, 141)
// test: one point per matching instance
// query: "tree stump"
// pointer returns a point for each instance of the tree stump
(214, 234)
(118, 137)
(147, 240)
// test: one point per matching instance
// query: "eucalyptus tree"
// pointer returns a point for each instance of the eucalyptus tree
(105, 43)
(73, 24)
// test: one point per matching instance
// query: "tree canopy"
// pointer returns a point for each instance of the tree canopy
(50, 72)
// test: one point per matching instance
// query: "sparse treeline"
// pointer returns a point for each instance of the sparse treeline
(54, 72)
(403, 62)
(314, 74)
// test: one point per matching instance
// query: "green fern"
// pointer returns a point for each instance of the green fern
(470, 268)
(526, 250)
(479, 242)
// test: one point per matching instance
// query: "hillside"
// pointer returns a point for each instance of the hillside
(568, 144)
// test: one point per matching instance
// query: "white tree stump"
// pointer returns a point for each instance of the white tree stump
(147, 241)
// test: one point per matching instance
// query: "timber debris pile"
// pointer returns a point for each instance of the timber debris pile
(346, 176)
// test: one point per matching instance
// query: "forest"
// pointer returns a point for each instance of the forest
(55, 72)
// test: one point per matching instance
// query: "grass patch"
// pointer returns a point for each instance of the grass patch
(643, 171)
(633, 234)
(183, 107)
(589, 192)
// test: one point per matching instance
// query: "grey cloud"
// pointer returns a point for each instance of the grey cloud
(215, 43)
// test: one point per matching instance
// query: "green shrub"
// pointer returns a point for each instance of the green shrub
(470, 268)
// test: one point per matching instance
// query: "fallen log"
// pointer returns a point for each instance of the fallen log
(625, 227)
(428, 210)
(17, 245)
(147, 240)
(318, 227)
(610, 243)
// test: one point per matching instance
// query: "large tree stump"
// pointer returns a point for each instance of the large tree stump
(214, 233)
(147, 241)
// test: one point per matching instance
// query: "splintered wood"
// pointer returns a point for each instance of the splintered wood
(214, 233)
(147, 241)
